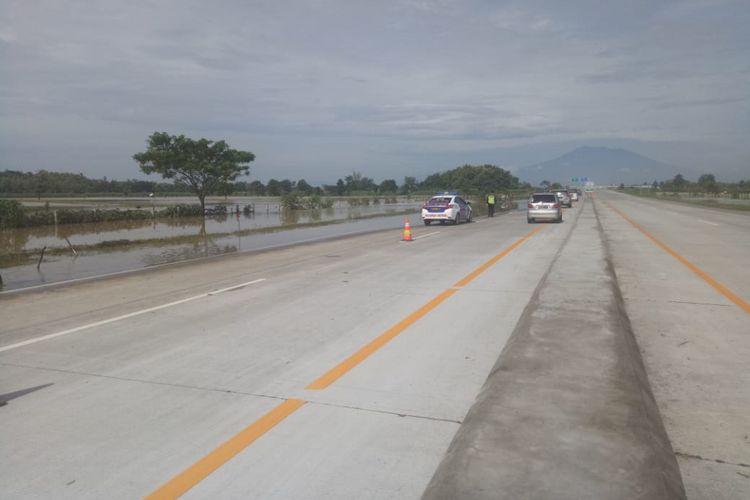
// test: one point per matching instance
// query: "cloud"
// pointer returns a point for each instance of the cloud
(327, 82)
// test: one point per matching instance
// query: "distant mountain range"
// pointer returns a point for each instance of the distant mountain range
(601, 166)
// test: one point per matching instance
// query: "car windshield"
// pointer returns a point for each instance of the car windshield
(439, 201)
(545, 198)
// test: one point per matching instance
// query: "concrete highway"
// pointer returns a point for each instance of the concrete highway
(690, 313)
(347, 368)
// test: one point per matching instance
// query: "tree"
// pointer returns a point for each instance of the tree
(257, 188)
(303, 186)
(409, 185)
(358, 182)
(472, 179)
(388, 186)
(42, 184)
(273, 188)
(679, 183)
(340, 187)
(201, 164)
(707, 183)
(286, 186)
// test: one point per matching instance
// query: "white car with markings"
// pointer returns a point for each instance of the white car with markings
(448, 207)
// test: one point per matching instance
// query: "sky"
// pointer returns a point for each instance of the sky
(318, 89)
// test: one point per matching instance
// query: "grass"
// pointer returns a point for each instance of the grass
(735, 207)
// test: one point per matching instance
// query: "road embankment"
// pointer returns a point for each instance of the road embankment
(567, 411)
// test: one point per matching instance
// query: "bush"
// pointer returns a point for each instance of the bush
(292, 201)
(296, 201)
(11, 214)
(358, 202)
(181, 210)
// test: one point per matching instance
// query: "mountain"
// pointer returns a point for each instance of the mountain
(601, 166)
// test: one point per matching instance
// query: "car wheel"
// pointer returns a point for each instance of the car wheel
(457, 220)
(529, 220)
(427, 222)
(559, 219)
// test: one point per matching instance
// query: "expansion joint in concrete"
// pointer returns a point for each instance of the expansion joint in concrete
(386, 412)
(147, 382)
(705, 459)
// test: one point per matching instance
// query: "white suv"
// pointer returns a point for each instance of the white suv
(543, 206)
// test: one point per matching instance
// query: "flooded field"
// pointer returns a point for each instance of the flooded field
(111, 247)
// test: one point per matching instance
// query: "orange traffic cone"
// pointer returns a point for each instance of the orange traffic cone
(407, 230)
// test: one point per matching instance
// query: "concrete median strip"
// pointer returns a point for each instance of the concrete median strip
(567, 411)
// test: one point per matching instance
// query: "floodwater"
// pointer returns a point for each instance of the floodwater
(266, 216)
(164, 241)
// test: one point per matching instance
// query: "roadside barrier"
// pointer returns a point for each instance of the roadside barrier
(567, 411)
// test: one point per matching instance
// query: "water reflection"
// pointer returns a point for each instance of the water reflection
(290, 217)
(16, 241)
(119, 245)
(117, 258)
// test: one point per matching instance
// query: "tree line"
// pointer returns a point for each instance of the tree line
(706, 183)
(467, 179)
(43, 183)
(204, 167)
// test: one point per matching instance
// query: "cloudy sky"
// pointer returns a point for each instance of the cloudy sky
(319, 88)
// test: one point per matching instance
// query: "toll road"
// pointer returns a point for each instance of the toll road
(685, 279)
(180, 381)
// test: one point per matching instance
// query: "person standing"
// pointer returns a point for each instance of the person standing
(491, 205)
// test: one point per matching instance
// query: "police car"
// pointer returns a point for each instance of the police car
(446, 207)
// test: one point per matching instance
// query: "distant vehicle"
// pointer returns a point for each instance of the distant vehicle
(564, 197)
(573, 195)
(543, 206)
(448, 207)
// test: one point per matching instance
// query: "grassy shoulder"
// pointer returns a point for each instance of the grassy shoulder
(677, 198)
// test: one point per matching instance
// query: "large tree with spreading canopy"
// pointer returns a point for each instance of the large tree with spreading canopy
(202, 164)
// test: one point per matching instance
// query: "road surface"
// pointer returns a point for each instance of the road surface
(344, 369)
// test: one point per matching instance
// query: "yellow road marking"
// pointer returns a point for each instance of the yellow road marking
(194, 474)
(346, 365)
(476, 272)
(201, 469)
(702, 274)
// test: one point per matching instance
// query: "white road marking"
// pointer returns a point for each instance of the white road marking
(85, 278)
(420, 236)
(707, 222)
(126, 316)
